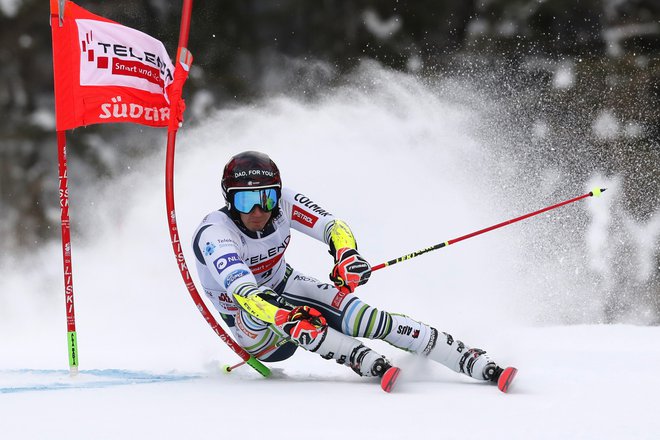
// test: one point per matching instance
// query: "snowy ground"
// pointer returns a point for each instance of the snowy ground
(150, 365)
(587, 382)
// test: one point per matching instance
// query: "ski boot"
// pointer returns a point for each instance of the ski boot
(367, 362)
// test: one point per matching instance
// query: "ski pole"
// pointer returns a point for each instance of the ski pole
(229, 368)
(595, 192)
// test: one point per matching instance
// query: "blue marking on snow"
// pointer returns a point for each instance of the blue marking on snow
(27, 380)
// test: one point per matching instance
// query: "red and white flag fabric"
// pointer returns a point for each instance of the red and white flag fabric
(106, 72)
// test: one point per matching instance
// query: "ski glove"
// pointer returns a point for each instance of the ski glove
(350, 271)
(303, 324)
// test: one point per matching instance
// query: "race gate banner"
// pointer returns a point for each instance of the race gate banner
(106, 72)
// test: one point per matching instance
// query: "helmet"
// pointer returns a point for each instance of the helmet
(247, 171)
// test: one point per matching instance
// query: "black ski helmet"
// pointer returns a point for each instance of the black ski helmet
(249, 170)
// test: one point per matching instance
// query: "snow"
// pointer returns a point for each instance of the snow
(477, 27)
(540, 129)
(9, 8)
(584, 382)
(44, 119)
(614, 36)
(150, 365)
(414, 63)
(634, 129)
(564, 76)
(381, 29)
(606, 125)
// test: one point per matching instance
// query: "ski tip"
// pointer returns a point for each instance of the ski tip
(507, 376)
(389, 378)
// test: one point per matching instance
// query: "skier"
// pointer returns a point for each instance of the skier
(272, 309)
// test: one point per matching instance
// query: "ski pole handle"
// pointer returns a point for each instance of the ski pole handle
(596, 192)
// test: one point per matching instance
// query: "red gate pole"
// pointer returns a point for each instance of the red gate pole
(183, 61)
(57, 19)
(66, 254)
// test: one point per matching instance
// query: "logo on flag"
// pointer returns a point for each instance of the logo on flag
(106, 72)
(114, 55)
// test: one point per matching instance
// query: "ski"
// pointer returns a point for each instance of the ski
(505, 379)
(389, 378)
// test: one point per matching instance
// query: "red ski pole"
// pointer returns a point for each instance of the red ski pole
(596, 192)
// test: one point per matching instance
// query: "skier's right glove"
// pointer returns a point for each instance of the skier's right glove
(303, 324)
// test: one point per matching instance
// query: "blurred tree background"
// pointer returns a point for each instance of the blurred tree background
(573, 66)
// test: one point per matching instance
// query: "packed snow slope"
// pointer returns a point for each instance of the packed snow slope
(586, 382)
(398, 161)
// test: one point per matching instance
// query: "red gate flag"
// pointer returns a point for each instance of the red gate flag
(106, 72)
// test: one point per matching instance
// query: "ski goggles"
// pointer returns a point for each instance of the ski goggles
(266, 199)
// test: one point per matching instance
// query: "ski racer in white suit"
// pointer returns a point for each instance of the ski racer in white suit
(272, 309)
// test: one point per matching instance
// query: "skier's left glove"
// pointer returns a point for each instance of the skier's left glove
(350, 270)
(304, 324)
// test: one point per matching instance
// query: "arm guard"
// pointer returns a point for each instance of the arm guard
(249, 299)
(339, 236)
